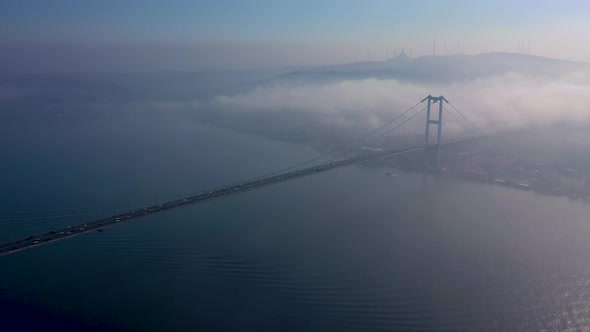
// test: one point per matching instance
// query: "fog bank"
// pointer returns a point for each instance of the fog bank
(500, 102)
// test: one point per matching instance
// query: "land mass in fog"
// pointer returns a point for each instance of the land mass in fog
(324, 106)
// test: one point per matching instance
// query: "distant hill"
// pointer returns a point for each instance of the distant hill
(188, 85)
(440, 68)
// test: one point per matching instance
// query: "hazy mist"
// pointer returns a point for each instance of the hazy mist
(499, 102)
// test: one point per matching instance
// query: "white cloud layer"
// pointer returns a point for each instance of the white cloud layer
(499, 102)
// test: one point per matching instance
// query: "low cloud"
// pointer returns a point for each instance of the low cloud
(345, 103)
(500, 102)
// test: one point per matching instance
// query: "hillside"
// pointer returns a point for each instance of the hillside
(442, 69)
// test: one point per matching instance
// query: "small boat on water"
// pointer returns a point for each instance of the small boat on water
(392, 174)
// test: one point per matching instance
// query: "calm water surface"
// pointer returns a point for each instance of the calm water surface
(353, 249)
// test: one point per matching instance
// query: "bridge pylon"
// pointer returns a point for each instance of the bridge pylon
(438, 122)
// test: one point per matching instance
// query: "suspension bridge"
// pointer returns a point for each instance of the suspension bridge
(342, 156)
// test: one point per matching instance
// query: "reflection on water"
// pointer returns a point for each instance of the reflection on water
(353, 249)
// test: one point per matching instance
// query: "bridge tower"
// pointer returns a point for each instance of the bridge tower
(438, 122)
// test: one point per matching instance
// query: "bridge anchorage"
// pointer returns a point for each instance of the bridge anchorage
(438, 122)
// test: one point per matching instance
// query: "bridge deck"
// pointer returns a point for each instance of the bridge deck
(92, 226)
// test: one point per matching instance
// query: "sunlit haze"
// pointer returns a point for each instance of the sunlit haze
(301, 165)
(215, 34)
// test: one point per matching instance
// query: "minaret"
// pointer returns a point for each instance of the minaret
(434, 47)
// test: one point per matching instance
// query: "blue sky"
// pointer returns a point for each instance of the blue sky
(551, 28)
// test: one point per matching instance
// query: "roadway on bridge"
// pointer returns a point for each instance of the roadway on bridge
(97, 225)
